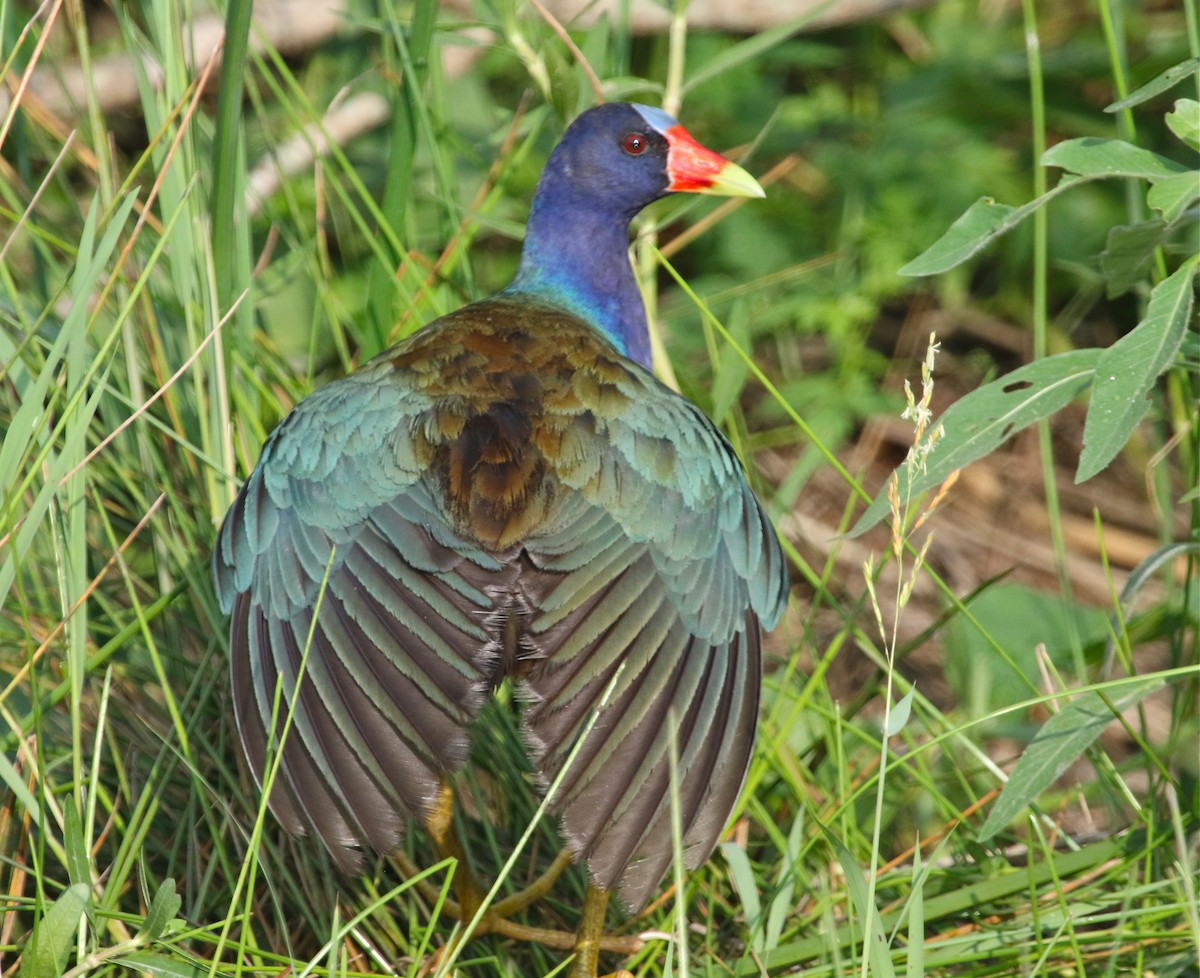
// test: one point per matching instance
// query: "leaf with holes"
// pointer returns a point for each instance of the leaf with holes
(986, 418)
(1127, 370)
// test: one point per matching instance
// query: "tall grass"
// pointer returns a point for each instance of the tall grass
(156, 322)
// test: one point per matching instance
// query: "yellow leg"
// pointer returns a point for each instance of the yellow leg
(589, 939)
(587, 942)
(448, 843)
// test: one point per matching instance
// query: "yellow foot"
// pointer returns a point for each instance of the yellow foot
(470, 906)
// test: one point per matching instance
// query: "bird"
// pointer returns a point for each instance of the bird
(509, 493)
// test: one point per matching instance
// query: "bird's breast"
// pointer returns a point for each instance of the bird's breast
(520, 399)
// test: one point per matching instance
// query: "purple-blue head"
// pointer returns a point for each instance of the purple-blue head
(612, 161)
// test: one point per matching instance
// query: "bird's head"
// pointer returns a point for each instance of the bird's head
(622, 156)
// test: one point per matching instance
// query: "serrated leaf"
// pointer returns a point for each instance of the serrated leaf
(1156, 86)
(1172, 195)
(1185, 121)
(1126, 371)
(54, 935)
(981, 224)
(163, 909)
(1128, 254)
(987, 417)
(1090, 156)
(162, 966)
(1060, 741)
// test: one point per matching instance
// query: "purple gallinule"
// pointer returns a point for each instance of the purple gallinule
(510, 493)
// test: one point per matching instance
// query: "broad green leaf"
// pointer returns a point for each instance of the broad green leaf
(163, 909)
(161, 965)
(1128, 254)
(992, 660)
(1185, 121)
(981, 224)
(1061, 740)
(983, 221)
(1156, 86)
(54, 935)
(986, 418)
(1126, 371)
(1090, 156)
(1172, 195)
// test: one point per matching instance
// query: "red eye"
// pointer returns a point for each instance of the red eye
(634, 144)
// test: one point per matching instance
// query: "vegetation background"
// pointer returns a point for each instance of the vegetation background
(979, 750)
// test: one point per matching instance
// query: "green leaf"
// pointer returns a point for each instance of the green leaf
(991, 659)
(1126, 371)
(1090, 156)
(915, 966)
(163, 909)
(731, 370)
(1061, 740)
(78, 863)
(161, 965)
(1172, 195)
(987, 417)
(1185, 121)
(54, 935)
(981, 224)
(1128, 254)
(983, 221)
(1168, 79)
(742, 874)
(12, 780)
(900, 713)
(856, 884)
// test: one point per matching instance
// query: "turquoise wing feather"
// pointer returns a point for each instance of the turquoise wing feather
(399, 661)
(668, 571)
